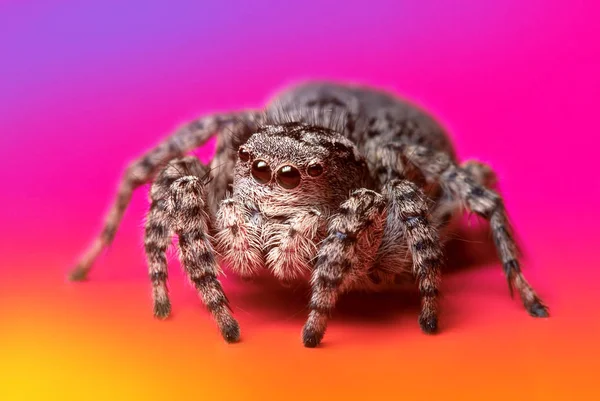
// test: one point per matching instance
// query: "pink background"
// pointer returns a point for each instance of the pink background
(87, 86)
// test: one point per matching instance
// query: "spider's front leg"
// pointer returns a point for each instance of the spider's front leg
(407, 206)
(179, 205)
(354, 236)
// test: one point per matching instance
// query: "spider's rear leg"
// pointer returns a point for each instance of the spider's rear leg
(480, 172)
(462, 184)
(446, 209)
(354, 236)
(186, 205)
(141, 171)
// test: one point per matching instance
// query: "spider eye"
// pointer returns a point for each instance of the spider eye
(288, 177)
(261, 171)
(244, 154)
(314, 170)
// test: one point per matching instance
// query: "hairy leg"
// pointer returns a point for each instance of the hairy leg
(407, 208)
(188, 210)
(463, 185)
(449, 206)
(480, 172)
(410, 230)
(157, 239)
(354, 235)
(143, 170)
(159, 230)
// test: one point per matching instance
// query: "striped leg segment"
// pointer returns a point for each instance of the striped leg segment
(354, 236)
(188, 211)
(408, 207)
(158, 228)
(157, 239)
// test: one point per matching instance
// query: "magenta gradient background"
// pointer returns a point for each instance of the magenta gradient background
(86, 86)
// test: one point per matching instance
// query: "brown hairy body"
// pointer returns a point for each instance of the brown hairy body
(346, 186)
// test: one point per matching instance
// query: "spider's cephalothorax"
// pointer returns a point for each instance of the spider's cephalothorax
(286, 184)
(345, 185)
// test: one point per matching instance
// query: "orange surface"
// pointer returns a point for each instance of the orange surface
(98, 341)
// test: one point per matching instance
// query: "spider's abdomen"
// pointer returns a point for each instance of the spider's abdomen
(362, 114)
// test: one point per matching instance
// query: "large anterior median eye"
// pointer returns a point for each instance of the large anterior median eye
(288, 177)
(261, 171)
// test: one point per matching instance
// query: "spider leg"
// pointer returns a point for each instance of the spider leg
(142, 170)
(409, 222)
(446, 208)
(407, 207)
(159, 228)
(461, 182)
(480, 172)
(354, 235)
(188, 210)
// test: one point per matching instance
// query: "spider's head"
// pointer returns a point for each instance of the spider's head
(287, 166)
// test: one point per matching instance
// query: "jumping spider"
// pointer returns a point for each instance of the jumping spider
(345, 185)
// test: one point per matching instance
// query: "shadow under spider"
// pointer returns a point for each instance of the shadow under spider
(265, 297)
